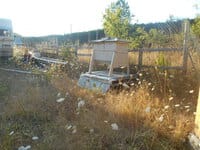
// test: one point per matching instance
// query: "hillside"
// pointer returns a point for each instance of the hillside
(84, 37)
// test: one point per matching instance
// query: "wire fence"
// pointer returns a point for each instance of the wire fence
(168, 46)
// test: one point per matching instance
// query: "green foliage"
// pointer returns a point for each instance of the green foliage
(138, 38)
(156, 37)
(162, 61)
(68, 51)
(196, 27)
(4, 89)
(116, 20)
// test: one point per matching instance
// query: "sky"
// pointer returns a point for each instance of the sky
(47, 17)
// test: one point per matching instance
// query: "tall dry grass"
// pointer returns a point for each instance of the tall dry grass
(141, 114)
(156, 112)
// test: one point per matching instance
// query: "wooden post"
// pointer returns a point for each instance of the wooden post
(91, 63)
(111, 65)
(185, 48)
(140, 59)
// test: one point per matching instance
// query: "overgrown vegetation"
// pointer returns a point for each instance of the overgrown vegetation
(49, 111)
(156, 112)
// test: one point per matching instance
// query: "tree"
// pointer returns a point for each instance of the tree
(156, 38)
(138, 38)
(196, 26)
(116, 20)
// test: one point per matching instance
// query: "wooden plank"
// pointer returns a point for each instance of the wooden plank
(143, 50)
(163, 67)
(79, 54)
(156, 50)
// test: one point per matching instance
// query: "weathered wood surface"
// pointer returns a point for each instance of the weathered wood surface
(197, 118)
(156, 50)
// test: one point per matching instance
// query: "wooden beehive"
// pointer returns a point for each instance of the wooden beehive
(110, 51)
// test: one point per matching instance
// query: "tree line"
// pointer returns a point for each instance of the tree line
(117, 24)
(138, 32)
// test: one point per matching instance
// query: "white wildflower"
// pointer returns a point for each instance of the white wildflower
(160, 119)
(166, 107)
(91, 130)
(59, 94)
(69, 127)
(125, 86)
(114, 126)
(11, 133)
(27, 147)
(21, 148)
(171, 98)
(140, 74)
(153, 88)
(81, 103)
(187, 106)
(148, 109)
(105, 121)
(74, 129)
(187, 110)
(66, 94)
(191, 91)
(34, 138)
(60, 100)
(24, 147)
(177, 105)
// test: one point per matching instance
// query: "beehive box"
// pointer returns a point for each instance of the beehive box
(111, 50)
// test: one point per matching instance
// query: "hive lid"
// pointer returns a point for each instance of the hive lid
(107, 39)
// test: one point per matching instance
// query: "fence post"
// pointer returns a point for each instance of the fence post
(185, 48)
(140, 56)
